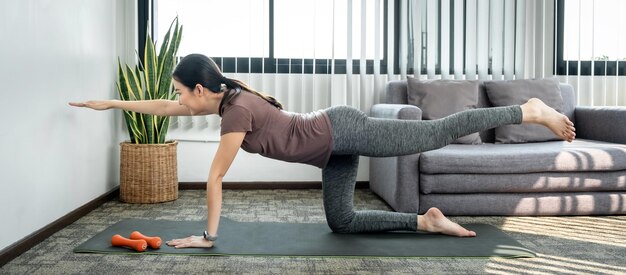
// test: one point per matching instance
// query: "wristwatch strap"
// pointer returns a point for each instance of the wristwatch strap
(209, 237)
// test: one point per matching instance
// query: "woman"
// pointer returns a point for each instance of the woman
(332, 139)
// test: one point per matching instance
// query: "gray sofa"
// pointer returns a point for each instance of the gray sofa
(585, 177)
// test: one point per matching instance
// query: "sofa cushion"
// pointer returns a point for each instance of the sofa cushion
(523, 183)
(580, 203)
(517, 92)
(442, 97)
(553, 156)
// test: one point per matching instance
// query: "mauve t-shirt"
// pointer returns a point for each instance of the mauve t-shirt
(274, 133)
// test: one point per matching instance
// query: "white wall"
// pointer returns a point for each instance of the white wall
(194, 161)
(55, 158)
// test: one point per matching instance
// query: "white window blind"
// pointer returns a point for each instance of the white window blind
(478, 39)
(592, 51)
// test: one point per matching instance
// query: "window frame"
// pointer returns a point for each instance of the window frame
(147, 10)
(570, 67)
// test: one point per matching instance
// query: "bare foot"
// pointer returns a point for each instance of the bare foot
(535, 111)
(435, 221)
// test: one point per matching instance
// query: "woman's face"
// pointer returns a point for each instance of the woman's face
(185, 96)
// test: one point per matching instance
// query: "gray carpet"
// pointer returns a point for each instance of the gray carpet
(567, 245)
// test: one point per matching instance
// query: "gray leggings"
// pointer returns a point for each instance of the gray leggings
(355, 134)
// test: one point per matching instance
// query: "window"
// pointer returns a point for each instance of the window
(283, 36)
(234, 28)
(318, 29)
(591, 31)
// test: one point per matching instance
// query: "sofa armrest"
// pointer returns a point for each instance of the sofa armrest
(396, 179)
(601, 123)
(396, 111)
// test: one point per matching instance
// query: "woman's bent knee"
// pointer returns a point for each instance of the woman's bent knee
(342, 228)
(340, 225)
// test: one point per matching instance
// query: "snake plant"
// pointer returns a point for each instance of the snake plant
(150, 80)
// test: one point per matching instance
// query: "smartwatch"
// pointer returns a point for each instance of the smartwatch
(209, 237)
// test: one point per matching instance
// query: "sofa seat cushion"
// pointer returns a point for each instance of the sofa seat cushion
(584, 203)
(523, 183)
(553, 156)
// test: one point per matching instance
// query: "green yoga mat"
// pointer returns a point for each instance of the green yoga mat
(306, 239)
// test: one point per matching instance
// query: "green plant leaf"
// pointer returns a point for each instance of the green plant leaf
(165, 78)
(164, 47)
(177, 38)
(140, 77)
(137, 136)
(170, 62)
(149, 127)
(150, 70)
(164, 124)
(134, 83)
(124, 94)
(127, 93)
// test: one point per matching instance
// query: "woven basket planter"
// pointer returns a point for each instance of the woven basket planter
(148, 172)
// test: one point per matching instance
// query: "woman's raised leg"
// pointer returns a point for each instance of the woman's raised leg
(355, 133)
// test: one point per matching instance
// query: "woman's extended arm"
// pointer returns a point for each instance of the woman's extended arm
(160, 107)
(226, 152)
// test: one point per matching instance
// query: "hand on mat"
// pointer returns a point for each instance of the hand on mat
(191, 241)
(93, 104)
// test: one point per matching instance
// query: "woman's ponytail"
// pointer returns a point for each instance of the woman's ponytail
(199, 69)
(235, 86)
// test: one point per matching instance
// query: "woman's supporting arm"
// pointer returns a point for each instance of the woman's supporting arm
(226, 152)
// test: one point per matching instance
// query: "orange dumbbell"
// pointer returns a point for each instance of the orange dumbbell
(138, 245)
(154, 242)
